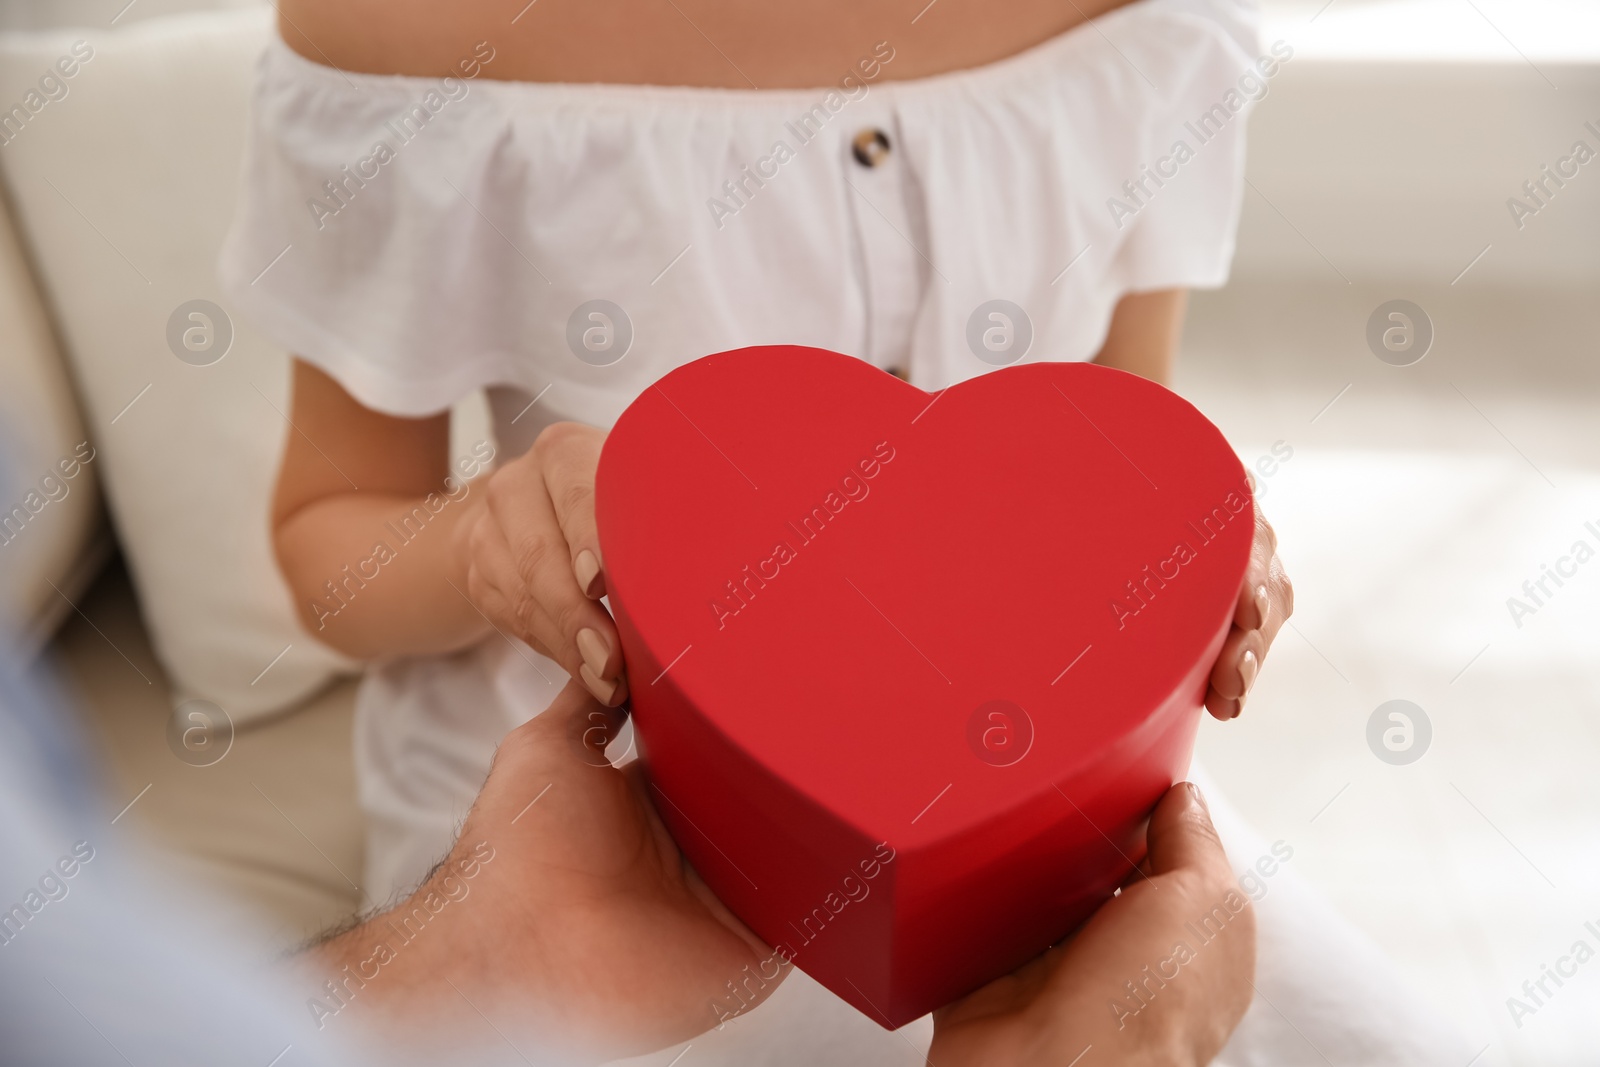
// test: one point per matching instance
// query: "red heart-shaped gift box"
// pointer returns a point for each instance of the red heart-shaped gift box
(910, 670)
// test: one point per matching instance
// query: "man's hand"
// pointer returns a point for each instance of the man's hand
(585, 930)
(565, 921)
(1161, 974)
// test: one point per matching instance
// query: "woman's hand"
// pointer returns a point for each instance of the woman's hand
(533, 558)
(582, 928)
(1122, 985)
(1266, 600)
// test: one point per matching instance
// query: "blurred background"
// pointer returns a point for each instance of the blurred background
(1415, 487)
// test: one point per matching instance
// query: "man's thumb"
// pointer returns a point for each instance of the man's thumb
(1181, 834)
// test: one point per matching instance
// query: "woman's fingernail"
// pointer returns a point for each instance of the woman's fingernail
(1199, 797)
(595, 651)
(1263, 605)
(586, 568)
(1238, 709)
(605, 692)
(1249, 667)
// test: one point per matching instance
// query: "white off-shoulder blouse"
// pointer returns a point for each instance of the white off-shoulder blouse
(421, 238)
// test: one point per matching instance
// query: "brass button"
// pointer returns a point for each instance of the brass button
(870, 147)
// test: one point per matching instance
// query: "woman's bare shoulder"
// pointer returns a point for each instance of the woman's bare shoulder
(419, 37)
(622, 41)
(644, 41)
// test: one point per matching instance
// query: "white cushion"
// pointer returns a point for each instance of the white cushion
(48, 519)
(124, 188)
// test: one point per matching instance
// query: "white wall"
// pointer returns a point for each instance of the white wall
(1394, 138)
(44, 14)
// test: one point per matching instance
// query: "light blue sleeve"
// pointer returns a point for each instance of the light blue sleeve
(98, 965)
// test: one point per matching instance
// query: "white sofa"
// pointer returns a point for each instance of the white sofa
(120, 150)
(119, 178)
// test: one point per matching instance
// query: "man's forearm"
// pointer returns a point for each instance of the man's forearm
(416, 977)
